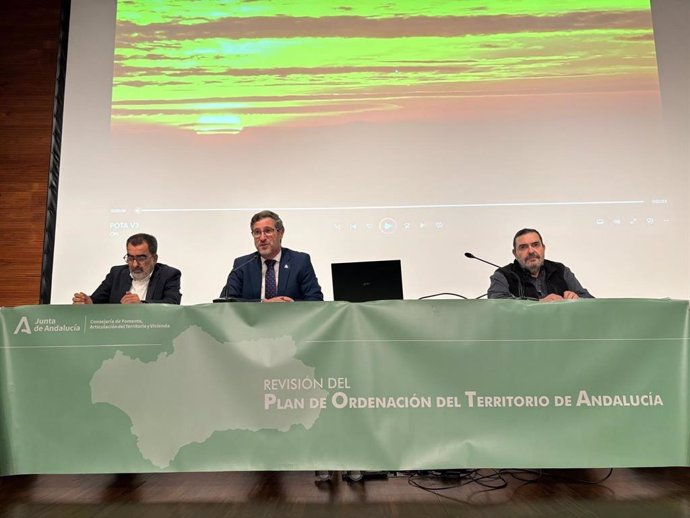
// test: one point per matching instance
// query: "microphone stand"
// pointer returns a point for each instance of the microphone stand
(227, 297)
(503, 270)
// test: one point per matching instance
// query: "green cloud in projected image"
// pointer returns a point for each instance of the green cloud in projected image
(222, 67)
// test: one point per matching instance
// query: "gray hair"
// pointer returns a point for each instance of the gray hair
(267, 214)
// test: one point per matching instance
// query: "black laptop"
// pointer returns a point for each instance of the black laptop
(367, 280)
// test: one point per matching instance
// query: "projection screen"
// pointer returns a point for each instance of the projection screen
(377, 130)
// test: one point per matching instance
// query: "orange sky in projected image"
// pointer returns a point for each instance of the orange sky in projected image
(319, 72)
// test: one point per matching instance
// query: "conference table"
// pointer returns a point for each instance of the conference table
(388, 385)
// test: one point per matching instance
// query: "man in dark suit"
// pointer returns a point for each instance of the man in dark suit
(142, 279)
(272, 273)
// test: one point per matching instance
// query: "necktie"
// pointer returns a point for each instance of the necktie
(271, 288)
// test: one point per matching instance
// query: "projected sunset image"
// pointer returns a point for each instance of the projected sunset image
(222, 67)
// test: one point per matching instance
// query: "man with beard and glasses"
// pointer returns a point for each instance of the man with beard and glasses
(533, 277)
(141, 279)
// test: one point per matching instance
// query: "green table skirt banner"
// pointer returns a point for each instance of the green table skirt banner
(391, 385)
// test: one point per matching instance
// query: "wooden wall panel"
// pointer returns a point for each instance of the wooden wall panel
(29, 33)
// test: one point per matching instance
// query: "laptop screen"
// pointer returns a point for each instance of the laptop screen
(367, 280)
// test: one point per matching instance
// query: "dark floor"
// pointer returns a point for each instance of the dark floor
(658, 492)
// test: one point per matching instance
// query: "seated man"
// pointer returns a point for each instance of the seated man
(142, 279)
(272, 273)
(532, 276)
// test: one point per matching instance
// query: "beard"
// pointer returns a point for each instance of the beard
(533, 267)
(139, 274)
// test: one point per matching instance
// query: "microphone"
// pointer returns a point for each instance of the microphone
(503, 270)
(472, 256)
(226, 289)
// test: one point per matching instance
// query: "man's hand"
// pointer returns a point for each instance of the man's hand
(551, 297)
(130, 298)
(567, 295)
(279, 299)
(81, 298)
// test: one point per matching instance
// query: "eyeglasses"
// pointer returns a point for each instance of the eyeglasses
(138, 258)
(268, 232)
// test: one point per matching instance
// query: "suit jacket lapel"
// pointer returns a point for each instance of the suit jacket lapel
(254, 280)
(123, 285)
(152, 284)
(284, 273)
